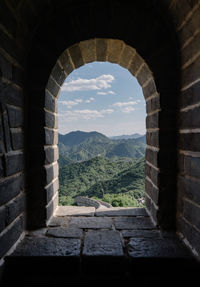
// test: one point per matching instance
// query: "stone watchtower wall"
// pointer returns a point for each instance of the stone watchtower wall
(33, 36)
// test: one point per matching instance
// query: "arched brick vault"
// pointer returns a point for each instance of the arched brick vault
(88, 36)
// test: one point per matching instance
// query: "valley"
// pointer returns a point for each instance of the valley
(93, 165)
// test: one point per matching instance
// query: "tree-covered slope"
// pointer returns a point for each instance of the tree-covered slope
(113, 181)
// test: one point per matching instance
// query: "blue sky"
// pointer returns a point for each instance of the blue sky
(102, 97)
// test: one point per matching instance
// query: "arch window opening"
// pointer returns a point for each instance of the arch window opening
(102, 137)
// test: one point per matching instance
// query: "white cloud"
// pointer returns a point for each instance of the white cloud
(124, 104)
(128, 109)
(101, 82)
(90, 100)
(106, 93)
(69, 103)
(74, 115)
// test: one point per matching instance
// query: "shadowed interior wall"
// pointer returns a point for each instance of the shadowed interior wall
(33, 35)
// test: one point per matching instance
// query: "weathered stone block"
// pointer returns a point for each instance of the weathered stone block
(121, 211)
(76, 56)
(133, 223)
(52, 87)
(58, 74)
(102, 243)
(17, 138)
(48, 247)
(11, 235)
(75, 211)
(51, 189)
(152, 191)
(135, 64)
(14, 163)
(88, 50)
(65, 232)
(189, 141)
(15, 208)
(50, 102)
(101, 49)
(190, 119)
(156, 247)
(141, 233)
(153, 104)
(65, 62)
(91, 222)
(2, 218)
(51, 172)
(189, 188)
(153, 121)
(11, 188)
(51, 154)
(114, 50)
(149, 89)
(152, 138)
(190, 96)
(191, 213)
(51, 136)
(144, 75)
(191, 73)
(51, 120)
(127, 55)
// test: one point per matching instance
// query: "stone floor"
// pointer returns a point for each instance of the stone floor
(86, 243)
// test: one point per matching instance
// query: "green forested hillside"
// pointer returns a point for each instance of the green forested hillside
(120, 183)
(81, 146)
(93, 165)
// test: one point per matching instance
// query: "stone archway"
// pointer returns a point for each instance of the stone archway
(148, 53)
(114, 51)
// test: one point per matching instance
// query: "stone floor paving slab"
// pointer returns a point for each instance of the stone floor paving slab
(141, 233)
(91, 222)
(59, 221)
(156, 248)
(121, 211)
(65, 232)
(48, 247)
(102, 243)
(75, 211)
(133, 223)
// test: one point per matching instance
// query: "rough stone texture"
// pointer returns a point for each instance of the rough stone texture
(155, 247)
(167, 40)
(65, 232)
(48, 247)
(102, 243)
(75, 211)
(93, 222)
(133, 223)
(141, 233)
(58, 221)
(121, 211)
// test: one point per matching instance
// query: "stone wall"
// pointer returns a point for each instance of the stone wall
(188, 210)
(167, 44)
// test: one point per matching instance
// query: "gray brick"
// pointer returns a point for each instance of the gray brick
(14, 163)
(15, 208)
(11, 188)
(8, 238)
(15, 116)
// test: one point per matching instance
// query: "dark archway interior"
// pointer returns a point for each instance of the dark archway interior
(41, 43)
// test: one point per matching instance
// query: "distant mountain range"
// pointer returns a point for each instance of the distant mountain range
(79, 146)
(93, 165)
(125, 137)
